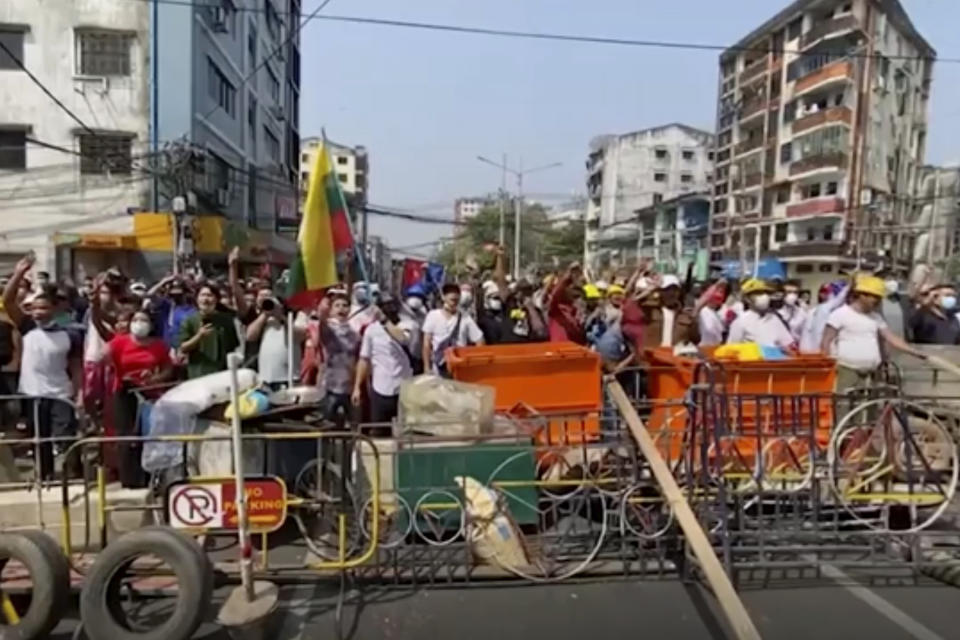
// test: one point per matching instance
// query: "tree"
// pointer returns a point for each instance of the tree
(542, 245)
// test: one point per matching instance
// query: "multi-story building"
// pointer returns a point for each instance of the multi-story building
(633, 171)
(821, 131)
(673, 234)
(466, 208)
(937, 227)
(66, 181)
(350, 164)
(132, 77)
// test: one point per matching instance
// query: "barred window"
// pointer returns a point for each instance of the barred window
(105, 153)
(13, 149)
(103, 53)
(273, 145)
(12, 38)
(221, 91)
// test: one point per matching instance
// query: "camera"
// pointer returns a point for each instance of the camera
(269, 304)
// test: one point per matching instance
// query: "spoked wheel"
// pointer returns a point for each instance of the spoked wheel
(329, 499)
(883, 458)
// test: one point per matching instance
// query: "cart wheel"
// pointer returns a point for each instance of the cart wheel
(327, 495)
(46, 568)
(644, 513)
(393, 525)
(787, 463)
(869, 472)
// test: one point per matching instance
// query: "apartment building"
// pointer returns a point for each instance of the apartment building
(821, 131)
(468, 207)
(937, 225)
(352, 166)
(66, 181)
(630, 172)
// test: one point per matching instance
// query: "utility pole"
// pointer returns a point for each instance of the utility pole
(503, 203)
(518, 204)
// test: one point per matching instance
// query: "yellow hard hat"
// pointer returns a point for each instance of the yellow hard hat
(615, 289)
(590, 292)
(754, 285)
(871, 285)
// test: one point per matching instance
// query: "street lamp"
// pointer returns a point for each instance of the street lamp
(519, 172)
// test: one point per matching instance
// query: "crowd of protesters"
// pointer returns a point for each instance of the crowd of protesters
(103, 346)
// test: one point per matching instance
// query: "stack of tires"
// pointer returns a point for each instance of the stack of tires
(101, 613)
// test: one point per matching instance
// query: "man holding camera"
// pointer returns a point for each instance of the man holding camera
(268, 332)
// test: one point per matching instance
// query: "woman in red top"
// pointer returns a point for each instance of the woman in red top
(139, 360)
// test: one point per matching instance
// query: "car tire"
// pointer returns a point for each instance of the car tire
(100, 598)
(50, 575)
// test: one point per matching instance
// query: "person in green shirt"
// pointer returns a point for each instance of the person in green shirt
(207, 336)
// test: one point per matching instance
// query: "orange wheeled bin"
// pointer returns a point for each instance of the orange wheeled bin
(561, 379)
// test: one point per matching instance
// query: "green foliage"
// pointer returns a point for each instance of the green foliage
(542, 245)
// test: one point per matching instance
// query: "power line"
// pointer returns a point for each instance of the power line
(563, 37)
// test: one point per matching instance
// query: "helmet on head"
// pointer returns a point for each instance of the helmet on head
(615, 289)
(754, 285)
(590, 292)
(416, 290)
(871, 285)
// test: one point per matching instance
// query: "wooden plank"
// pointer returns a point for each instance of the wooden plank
(940, 363)
(729, 600)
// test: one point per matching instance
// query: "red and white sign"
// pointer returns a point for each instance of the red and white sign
(210, 503)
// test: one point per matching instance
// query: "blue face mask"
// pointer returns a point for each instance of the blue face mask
(948, 302)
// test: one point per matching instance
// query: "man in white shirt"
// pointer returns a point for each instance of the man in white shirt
(384, 362)
(710, 317)
(856, 334)
(759, 323)
(791, 311)
(447, 327)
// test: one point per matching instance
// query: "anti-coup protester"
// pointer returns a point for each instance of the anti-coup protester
(51, 368)
(340, 343)
(207, 336)
(447, 327)
(384, 361)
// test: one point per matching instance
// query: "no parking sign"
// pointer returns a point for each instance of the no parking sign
(209, 504)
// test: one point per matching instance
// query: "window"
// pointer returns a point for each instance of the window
(12, 38)
(804, 268)
(686, 178)
(786, 153)
(794, 28)
(252, 114)
(342, 177)
(13, 149)
(790, 112)
(720, 206)
(273, 145)
(838, 100)
(221, 17)
(657, 198)
(780, 233)
(221, 91)
(103, 53)
(274, 85)
(811, 191)
(828, 232)
(845, 9)
(273, 20)
(710, 156)
(660, 154)
(822, 142)
(687, 155)
(252, 47)
(783, 195)
(105, 153)
(218, 174)
(831, 188)
(811, 233)
(341, 159)
(825, 268)
(304, 178)
(659, 177)
(252, 196)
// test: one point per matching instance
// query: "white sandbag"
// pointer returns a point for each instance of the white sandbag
(491, 532)
(214, 458)
(442, 407)
(175, 413)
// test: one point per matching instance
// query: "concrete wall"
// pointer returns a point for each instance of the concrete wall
(51, 195)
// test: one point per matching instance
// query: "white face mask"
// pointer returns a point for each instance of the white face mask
(494, 304)
(415, 304)
(790, 299)
(466, 297)
(760, 302)
(892, 287)
(140, 328)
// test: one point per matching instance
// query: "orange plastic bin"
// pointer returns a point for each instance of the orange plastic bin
(559, 378)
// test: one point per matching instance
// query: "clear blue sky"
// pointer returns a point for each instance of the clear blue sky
(425, 103)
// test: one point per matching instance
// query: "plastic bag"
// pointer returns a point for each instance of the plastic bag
(491, 532)
(441, 407)
(252, 403)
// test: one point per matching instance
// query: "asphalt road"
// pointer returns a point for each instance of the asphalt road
(837, 608)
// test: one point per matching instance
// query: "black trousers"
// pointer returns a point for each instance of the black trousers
(129, 469)
(383, 409)
(52, 419)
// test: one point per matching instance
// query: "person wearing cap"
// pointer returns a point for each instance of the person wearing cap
(856, 334)
(710, 320)
(831, 297)
(170, 305)
(614, 307)
(594, 322)
(759, 323)
(413, 312)
(935, 322)
(565, 322)
(665, 322)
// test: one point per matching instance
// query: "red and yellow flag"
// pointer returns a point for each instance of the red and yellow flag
(324, 230)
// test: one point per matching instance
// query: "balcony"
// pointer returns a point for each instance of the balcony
(816, 206)
(748, 145)
(839, 114)
(834, 160)
(752, 180)
(841, 70)
(810, 248)
(831, 27)
(753, 70)
(752, 108)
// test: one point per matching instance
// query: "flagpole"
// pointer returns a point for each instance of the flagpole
(357, 254)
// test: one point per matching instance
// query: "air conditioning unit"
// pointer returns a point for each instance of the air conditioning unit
(277, 112)
(223, 197)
